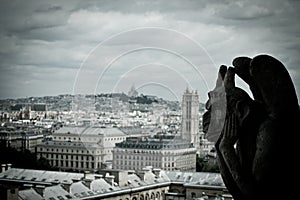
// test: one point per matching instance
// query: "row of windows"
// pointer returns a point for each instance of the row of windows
(87, 138)
(111, 139)
(174, 152)
(154, 158)
(121, 162)
(67, 150)
(68, 164)
(76, 157)
(69, 138)
(137, 157)
(149, 196)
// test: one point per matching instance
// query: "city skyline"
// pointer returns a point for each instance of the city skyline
(51, 48)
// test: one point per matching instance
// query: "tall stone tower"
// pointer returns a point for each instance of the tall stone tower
(190, 118)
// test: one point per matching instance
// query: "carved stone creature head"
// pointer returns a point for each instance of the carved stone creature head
(224, 100)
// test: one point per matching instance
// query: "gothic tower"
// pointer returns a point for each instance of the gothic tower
(190, 117)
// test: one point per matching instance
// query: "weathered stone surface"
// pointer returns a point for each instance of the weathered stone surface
(257, 144)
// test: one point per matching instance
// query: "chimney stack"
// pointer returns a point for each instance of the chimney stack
(75, 180)
(3, 166)
(67, 185)
(87, 181)
(85, 174)
(98, 176)
(110, 179)
(141, 174)
(40, 189)
(8, 166)
(156, 171)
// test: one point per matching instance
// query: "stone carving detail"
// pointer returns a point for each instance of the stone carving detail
(256, 145)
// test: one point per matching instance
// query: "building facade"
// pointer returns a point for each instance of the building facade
(137, 153)
(80, 148)
(76, 156)
(21, 140)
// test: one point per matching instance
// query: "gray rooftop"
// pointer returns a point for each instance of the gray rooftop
(70, 144)
(29, 194)
(196, 178)
(55, 182)
(82, 130)
(101, 186)
(78, 189)
(39, 175)
(154, 144)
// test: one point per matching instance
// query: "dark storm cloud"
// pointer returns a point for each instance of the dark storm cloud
(42, 43)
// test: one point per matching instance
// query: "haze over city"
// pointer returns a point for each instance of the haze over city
(161, 47)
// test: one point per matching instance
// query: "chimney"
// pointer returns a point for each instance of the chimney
(3, 166)
(85, 174)
(141, 174)
(156, 171)
(131, 172)
(147, 168)
(87, 182)
(98, 176)
(40, 189)
(8, 166)
(110, 179)
(67, 184)
(27, 185)
(75, 180)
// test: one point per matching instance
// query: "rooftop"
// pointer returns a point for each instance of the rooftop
(196, 178)
(154, 144)
(67, 185)
(83, 130)
(70, 144)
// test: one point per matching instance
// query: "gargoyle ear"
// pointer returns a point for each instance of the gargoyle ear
(221, 76)
(242, 69)
(229, 81)
(243, 110)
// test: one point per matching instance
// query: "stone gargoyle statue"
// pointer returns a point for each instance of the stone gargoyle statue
(257, 143)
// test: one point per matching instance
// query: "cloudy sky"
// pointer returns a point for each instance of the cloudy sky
(160, 47)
